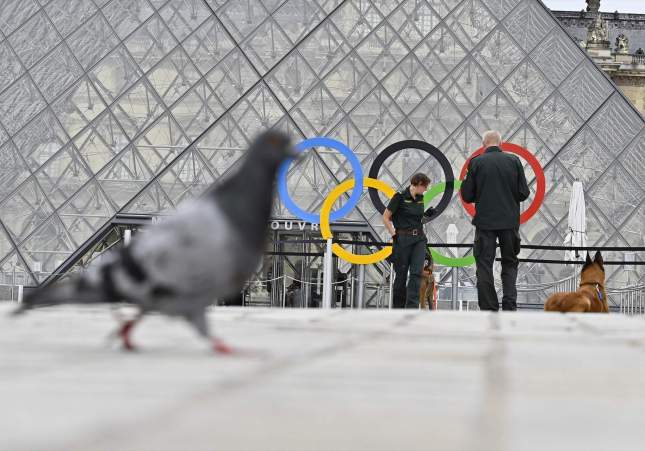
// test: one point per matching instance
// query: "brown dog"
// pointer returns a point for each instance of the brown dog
(591, 296)
(426, 296)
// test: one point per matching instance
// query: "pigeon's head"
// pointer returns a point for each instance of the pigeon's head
(273, 147)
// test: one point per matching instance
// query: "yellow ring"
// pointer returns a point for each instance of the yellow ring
(325, 229)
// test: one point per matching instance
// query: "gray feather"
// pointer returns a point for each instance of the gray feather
(208, 249)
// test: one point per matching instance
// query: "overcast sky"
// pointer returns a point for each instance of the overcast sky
(623, 6)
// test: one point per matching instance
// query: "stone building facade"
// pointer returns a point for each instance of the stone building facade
(616, 42)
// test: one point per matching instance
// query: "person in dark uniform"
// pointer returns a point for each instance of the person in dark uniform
(496, 184)
(402, 218)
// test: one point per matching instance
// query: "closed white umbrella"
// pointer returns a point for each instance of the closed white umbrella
(577, 222)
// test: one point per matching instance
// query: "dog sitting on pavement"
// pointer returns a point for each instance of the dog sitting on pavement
(590, 297)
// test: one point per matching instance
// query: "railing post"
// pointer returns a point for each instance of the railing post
(361, 286)
(284, 290)
(455, 288)
(327, 276)
(391, 294)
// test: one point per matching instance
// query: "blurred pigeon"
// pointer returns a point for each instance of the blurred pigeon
(207, 250)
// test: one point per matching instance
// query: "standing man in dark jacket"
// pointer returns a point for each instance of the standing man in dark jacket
(403, 220)
(496, 184)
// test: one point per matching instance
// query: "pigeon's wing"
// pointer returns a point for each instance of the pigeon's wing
(192, 253)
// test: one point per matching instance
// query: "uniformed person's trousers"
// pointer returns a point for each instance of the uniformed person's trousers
(408, 255)
(484, 251)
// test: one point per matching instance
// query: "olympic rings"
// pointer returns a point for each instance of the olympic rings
(419, 145)
(537, 170)
(347, 153)
(359, 181)
(440, 259)
(325, 229)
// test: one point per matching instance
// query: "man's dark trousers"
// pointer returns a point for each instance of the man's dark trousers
(408, 254)
(484, 251)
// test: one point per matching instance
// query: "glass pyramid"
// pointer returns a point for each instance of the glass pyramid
(136, 105)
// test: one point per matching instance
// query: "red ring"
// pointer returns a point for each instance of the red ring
(537, 169)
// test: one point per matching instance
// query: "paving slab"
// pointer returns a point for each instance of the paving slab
(324, 380)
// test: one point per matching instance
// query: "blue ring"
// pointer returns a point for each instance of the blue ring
(353, 198)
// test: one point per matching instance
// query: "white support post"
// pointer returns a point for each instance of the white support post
(127, 236)
(327, 276)
(391, 296)
(284, 290)
(19, 293)
(361, 286)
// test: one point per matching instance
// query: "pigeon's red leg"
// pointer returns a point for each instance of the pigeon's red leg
(124, 333)
(220, 347)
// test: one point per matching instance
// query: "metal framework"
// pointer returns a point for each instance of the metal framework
(131, 106)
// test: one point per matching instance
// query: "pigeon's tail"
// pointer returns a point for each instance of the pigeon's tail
(74, 291)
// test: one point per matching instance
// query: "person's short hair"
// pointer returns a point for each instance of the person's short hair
(492, 138)
(420, 179)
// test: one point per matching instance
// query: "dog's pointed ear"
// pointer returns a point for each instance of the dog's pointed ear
(588, 260)
(598, 258)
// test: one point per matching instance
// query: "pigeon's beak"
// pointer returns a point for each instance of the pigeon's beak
(292, 152)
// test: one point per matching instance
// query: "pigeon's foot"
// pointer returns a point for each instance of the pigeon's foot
(124, 334)
(221, 348)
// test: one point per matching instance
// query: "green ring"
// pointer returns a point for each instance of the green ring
(440, 259)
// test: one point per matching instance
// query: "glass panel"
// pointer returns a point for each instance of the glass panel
(498, 55)
(92, 41)
(47, 248)
(528, 24)
(56, 72)
(161, 144)
(14, 12)
(468, 86)
(78, 106)
(266, 46)
(355, 20)
(413, 20)
(351, 81)
(150, 43)
(100, 142)
(231, 78)
(124, 177)
(500, 8)
(11, 67)
(586, 89)
(557, 56)
(13, 170)
(183, 16)
(440, 52)
(63, 175)
(527, 88)
(240, 18)
(616, 194)
(382, 50)
(87, 211)
(127, 15)
(471, 22)
(297, 17)
(68, 15)
(197, 109)
(25, 210)
(41, 139)
(115, 74)
(186, 178)
(173, 76)
(19, 103)
(137, 108)
(208, 45)
(34, 39)
(555, 121)
(616, 123)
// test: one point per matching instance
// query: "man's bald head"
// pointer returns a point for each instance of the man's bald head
(492, 138)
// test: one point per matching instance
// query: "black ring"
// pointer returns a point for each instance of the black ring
(438, 155)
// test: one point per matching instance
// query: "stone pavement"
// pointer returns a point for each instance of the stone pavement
(324, 380)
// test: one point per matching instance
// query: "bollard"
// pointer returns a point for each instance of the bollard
(455, 288)
(127, 237)
(361, 286)
(327, 276)
(391, 296)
